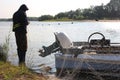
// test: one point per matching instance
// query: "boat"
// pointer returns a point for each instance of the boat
(95, 56)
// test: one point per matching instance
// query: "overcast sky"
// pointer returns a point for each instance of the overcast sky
(44, 7)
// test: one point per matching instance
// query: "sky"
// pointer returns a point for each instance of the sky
(45, 7)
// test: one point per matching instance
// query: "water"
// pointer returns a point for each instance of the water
(42, 33)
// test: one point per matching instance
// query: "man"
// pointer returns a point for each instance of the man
(20, 23)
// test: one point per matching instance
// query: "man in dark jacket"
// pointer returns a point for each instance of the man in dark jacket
(20, 23)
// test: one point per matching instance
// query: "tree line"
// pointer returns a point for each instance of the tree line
(108, 11)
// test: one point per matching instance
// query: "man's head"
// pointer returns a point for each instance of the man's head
(23, 7)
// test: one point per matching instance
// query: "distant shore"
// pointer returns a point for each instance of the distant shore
(99, 20)
(107, 20)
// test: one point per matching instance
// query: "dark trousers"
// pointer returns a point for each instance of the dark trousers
(21, 42)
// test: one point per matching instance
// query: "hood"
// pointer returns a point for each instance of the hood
(23, 7)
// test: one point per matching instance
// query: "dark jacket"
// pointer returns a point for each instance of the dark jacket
(20, 21)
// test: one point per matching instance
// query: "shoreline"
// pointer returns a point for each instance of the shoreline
(98, 21)
(22, 72)
(81, 21)
(74, 21)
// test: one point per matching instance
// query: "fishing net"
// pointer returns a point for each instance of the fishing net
(94, 60)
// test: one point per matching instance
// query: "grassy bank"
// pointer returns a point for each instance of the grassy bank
(10, 72)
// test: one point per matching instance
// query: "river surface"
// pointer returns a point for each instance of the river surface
(42, 33)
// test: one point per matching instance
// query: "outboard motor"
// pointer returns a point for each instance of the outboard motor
(62, 41)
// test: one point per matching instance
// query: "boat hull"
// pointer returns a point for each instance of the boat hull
(96, 63)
